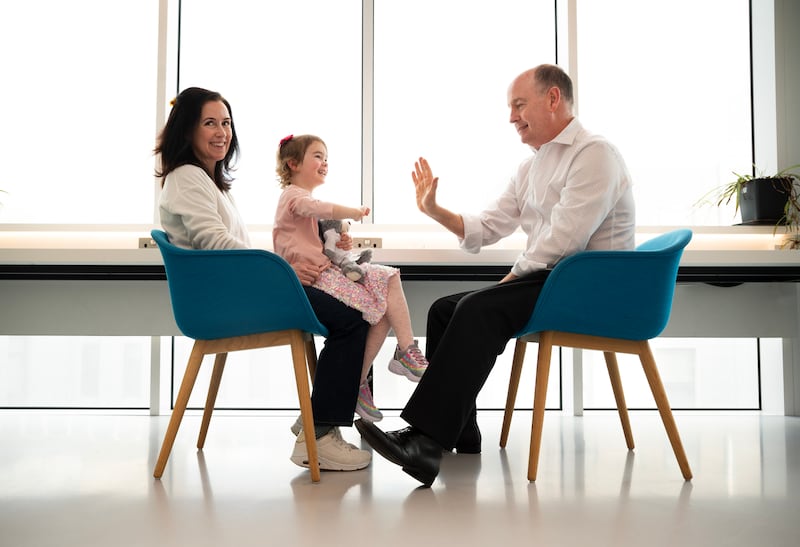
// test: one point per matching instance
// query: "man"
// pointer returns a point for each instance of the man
(573, 194)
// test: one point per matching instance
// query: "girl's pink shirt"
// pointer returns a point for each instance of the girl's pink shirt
(295, 233)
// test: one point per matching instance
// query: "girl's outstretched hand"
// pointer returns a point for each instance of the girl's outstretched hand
(364, 212)
(425, 185)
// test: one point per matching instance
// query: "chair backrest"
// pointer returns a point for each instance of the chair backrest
(615, 294)
(224, 293)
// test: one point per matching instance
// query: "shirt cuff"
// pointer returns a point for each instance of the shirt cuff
(473, 234)
(524, 266)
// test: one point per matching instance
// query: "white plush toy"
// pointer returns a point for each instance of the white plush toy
(330, 231)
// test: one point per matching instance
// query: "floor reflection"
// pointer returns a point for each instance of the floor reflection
(89, 477)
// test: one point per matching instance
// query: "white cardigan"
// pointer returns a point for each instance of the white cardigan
(195, 214)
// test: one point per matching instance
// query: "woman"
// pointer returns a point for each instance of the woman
(198, 147)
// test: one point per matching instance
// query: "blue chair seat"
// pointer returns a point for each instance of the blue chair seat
(231, 300)
(611, 301)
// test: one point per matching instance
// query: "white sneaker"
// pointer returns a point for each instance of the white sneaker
(338, 433)
(335, 454)
(297, 428)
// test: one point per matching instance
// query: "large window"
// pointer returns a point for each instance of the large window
(262, 379)
(441, 83)
(669, 83)
(79, 96)
(382, 82)
(697, 374)
(74, 372)
(286, 68)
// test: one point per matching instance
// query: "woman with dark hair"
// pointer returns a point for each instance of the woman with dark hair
(198, 147)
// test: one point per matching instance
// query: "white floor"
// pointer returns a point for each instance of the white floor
(77, 479)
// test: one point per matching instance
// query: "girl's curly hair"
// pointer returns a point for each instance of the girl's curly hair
(292, 148)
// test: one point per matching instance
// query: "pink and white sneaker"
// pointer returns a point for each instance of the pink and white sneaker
(366, 407)
(410, 363)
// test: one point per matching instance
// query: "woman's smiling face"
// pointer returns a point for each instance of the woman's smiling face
(212, 137)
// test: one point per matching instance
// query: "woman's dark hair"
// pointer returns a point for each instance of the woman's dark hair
(174, 144)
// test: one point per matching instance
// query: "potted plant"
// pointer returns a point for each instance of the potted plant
(765, 199)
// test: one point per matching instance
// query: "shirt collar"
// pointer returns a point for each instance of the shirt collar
(568, 134)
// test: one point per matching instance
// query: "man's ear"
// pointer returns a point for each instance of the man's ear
(554, 98)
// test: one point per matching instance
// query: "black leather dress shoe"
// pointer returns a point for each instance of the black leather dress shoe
(418, 455)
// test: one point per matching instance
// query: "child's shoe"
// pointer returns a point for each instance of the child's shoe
(366, 407)
(410, 363)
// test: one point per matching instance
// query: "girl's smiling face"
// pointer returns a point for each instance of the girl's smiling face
(311, 172)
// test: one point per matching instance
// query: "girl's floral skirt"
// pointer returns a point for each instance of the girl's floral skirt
(367, 295)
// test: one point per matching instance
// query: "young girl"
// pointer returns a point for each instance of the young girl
(302, 165)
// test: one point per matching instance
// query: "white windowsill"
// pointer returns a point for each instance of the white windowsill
(400, 245)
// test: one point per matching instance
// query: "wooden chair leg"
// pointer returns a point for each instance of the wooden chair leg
(300, 360)
(619, 396)
(539, 397)
(513, 385)
(211, 398)
(660, 396)
(189, 378)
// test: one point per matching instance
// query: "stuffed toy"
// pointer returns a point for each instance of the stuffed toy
(330, 231)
